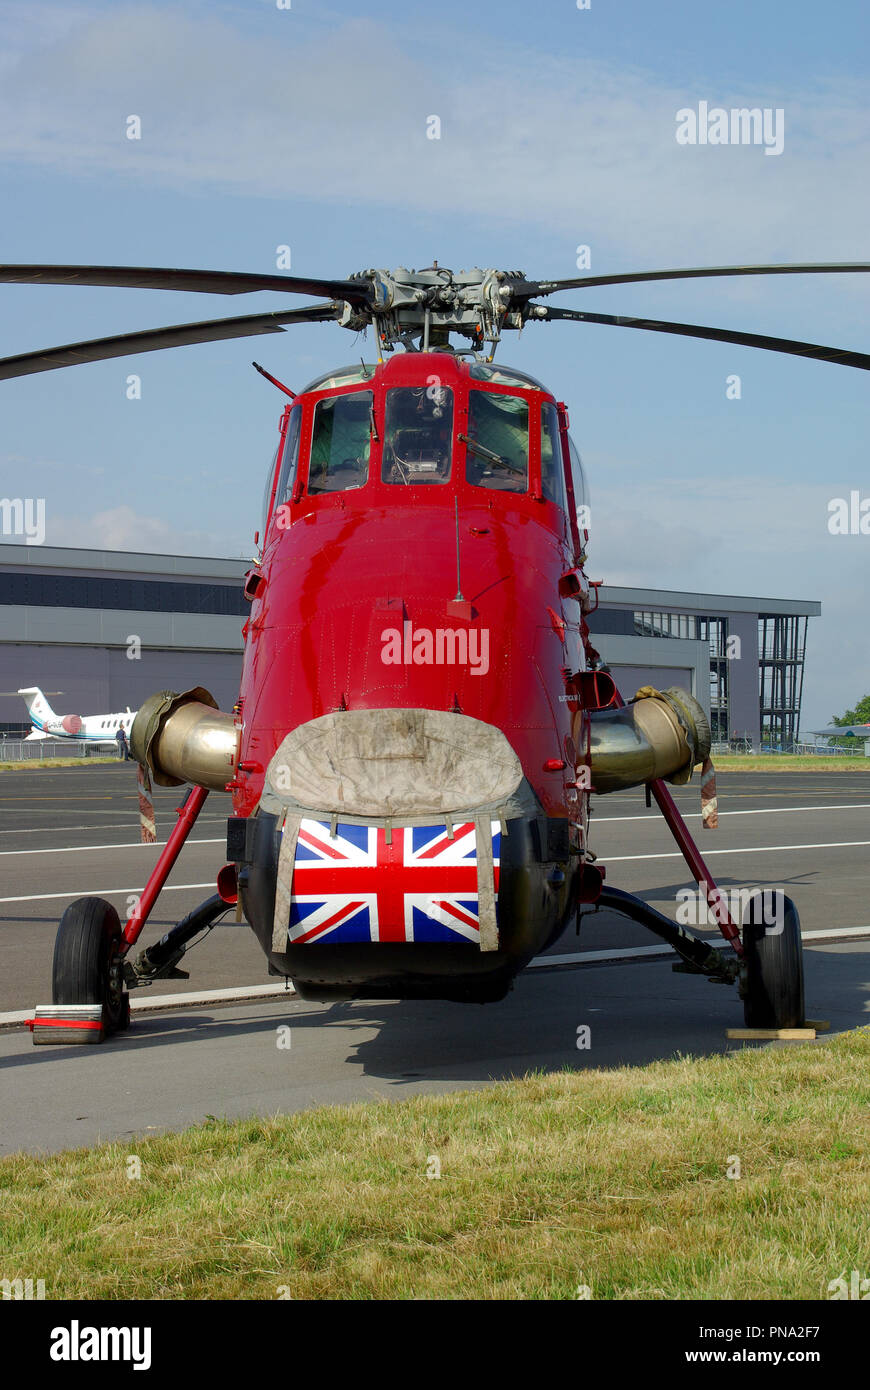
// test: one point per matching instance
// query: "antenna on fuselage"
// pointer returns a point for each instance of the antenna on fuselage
(460, 597)
(274, 380)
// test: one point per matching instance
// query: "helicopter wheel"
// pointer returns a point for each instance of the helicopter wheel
(774, 990)
(87, 965)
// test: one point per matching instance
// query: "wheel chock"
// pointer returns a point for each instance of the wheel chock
(806, 1034)
(67, 1024)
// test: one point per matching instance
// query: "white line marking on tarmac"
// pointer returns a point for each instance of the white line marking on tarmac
(99, 892)
(650, 816)
(74, 829)
(761, 811)
(169, 1001)
(266, 992)
(132, 844)
(708, 853)
(608, 859)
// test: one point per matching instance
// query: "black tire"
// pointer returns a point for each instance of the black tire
(87, 968)
(774, 996)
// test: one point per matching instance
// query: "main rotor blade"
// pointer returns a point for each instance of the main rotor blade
(528, 288)
(843, 357)
(153, 339)
(192, 281)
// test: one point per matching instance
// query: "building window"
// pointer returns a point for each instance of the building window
(136, 595)
(699, 628)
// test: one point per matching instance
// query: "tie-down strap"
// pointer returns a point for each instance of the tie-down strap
(485, 886)
(284, 884)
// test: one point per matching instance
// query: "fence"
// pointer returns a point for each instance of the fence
(18, 750)
(856, 748)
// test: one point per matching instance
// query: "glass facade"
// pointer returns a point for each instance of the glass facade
(136, 595)
(698, 628)
(782, 641)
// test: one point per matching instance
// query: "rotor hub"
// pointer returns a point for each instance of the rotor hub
(432, 303)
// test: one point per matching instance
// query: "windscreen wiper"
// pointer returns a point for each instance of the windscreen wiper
(490, 454)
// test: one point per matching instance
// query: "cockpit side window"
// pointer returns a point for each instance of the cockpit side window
(497, 448)
(290, 460)
(341, 443)
(552, 467)
(578, 478)
(267, 493)
(418, 435)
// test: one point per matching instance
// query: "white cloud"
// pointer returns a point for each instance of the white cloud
(762, 537)
(548, 141)
(122, 528)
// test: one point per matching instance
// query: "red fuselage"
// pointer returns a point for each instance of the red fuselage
(358, 583)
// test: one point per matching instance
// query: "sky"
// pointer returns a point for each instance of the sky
(264, 126)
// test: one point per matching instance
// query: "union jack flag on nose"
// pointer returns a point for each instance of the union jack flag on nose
(354, 886)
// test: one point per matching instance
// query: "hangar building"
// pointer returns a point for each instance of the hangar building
(67, 618)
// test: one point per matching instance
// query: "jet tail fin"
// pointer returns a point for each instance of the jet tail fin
(37, 706)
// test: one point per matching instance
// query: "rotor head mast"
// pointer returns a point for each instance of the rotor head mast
(430, 304)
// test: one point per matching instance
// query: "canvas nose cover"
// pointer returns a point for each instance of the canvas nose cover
(393, 763)
(398, 769)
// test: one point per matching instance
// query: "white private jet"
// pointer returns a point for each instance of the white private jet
(87, 728)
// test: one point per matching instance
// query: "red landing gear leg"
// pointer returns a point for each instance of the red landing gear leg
(700, 872)
(187, 815)
(89, 1000)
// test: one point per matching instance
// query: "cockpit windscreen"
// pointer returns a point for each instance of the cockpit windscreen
(497, 445)
(418, 434)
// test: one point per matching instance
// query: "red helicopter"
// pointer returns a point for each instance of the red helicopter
(422, 717)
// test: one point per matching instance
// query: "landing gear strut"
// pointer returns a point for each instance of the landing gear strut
(699, 957)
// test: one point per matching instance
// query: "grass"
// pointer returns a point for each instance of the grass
(727, 762)
(26, 763)
(787, 762)
(616, 1180)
